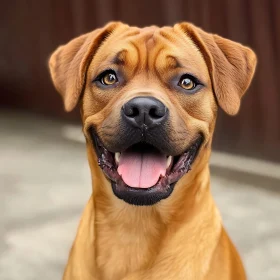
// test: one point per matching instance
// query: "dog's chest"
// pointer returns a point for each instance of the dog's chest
(121, 250)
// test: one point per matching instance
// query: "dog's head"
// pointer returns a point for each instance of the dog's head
(149, 99)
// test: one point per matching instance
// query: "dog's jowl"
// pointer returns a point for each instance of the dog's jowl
(149, 99)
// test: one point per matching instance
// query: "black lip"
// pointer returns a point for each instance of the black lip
(140, 196)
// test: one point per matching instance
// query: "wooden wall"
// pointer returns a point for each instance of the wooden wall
(31, 29)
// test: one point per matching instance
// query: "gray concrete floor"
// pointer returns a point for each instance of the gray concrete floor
(45, 183)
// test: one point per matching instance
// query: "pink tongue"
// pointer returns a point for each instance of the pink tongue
(141, 169)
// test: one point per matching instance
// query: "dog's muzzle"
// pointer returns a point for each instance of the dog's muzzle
(142, 166)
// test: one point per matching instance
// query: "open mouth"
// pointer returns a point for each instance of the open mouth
(141, 174)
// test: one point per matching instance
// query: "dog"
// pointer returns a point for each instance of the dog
(149, 99)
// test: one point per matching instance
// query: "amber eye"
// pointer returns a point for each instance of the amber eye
(108, 78)
(186, 82)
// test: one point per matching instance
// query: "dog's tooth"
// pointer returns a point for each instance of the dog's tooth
(117, 157)
(168, 161)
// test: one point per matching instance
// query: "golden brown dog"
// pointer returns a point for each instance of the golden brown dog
(149, 99)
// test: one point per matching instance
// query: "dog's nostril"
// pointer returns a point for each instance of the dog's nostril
(132, 112)
(156, 113)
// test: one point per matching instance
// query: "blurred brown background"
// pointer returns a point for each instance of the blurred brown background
(31, 30)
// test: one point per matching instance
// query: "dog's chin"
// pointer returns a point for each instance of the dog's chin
(142, 175)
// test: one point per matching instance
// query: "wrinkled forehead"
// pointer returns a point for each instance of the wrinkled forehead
(152, 48)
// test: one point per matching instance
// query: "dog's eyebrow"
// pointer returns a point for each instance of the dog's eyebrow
(119, 58)
(173, 62)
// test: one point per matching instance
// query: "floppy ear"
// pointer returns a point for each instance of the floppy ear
(68, 64)
(230, 64)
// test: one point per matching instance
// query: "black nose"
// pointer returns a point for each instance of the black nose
(145, 111)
